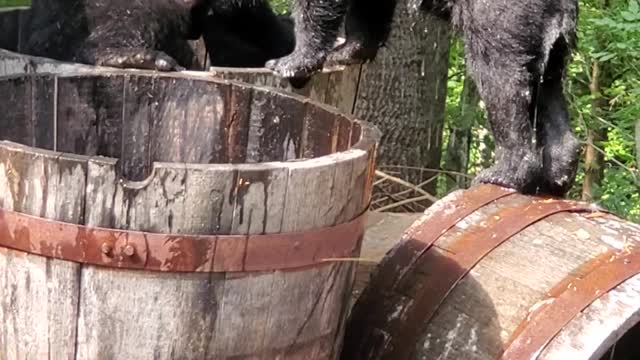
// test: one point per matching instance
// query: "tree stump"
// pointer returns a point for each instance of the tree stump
(488, 273)
(155, 216)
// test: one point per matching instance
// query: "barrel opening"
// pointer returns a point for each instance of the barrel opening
(626, 347)
(143, 117)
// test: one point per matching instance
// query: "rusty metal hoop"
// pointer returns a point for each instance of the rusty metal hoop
(567, 299)
(178, 253)
(387, 290)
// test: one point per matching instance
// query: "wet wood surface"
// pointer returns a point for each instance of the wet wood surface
(481, 312)
(181, 154)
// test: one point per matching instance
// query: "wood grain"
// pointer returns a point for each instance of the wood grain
(482, 311)
(164, 154)
(336, 87)
(598, 327)
(39, 296)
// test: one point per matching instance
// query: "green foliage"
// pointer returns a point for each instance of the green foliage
(280, 6)
(14, 3)
(611, 37)
(481, 141)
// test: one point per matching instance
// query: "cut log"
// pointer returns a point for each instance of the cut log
(487, 273)
(166, 215)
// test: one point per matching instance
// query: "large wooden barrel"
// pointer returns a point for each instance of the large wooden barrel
(148, 216)
(488, 273)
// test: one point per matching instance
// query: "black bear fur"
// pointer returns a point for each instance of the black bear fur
(246, 34)
(120, 33)
(516, 51)
(154, 34)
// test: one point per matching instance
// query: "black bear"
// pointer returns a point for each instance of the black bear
(120, 33)
(238, 34)
(516, 51)
(154, 34)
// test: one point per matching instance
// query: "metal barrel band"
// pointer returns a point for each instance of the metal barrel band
(178, 253)
(415, 242)
(419, 238)
(568, 299)
(466, 252)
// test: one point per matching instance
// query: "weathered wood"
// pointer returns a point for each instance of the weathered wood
(167, 313)
(172, 134)
(147, 123)
(384, 231)
(39, 307)
(275, 128)
(480, 314)
(336, 87)
(92, 100)
(597, 328)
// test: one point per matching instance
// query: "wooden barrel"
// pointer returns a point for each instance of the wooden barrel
(488, 273)
(163, 216)
(335, 86)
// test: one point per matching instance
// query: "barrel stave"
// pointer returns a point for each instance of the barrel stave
(165, 183)
(399, 315)
(40, 294)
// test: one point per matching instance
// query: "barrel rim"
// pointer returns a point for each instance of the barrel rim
(604, 343)
(370, 135)
(570, 297)
(80, 68)
(211, 71)
(259, 70)
(84, 69)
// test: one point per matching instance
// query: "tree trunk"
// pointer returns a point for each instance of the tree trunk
(457, 155)
(638, 143)
(596, 135)
(404, 93)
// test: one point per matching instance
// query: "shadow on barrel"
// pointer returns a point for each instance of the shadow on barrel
(395, 319)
